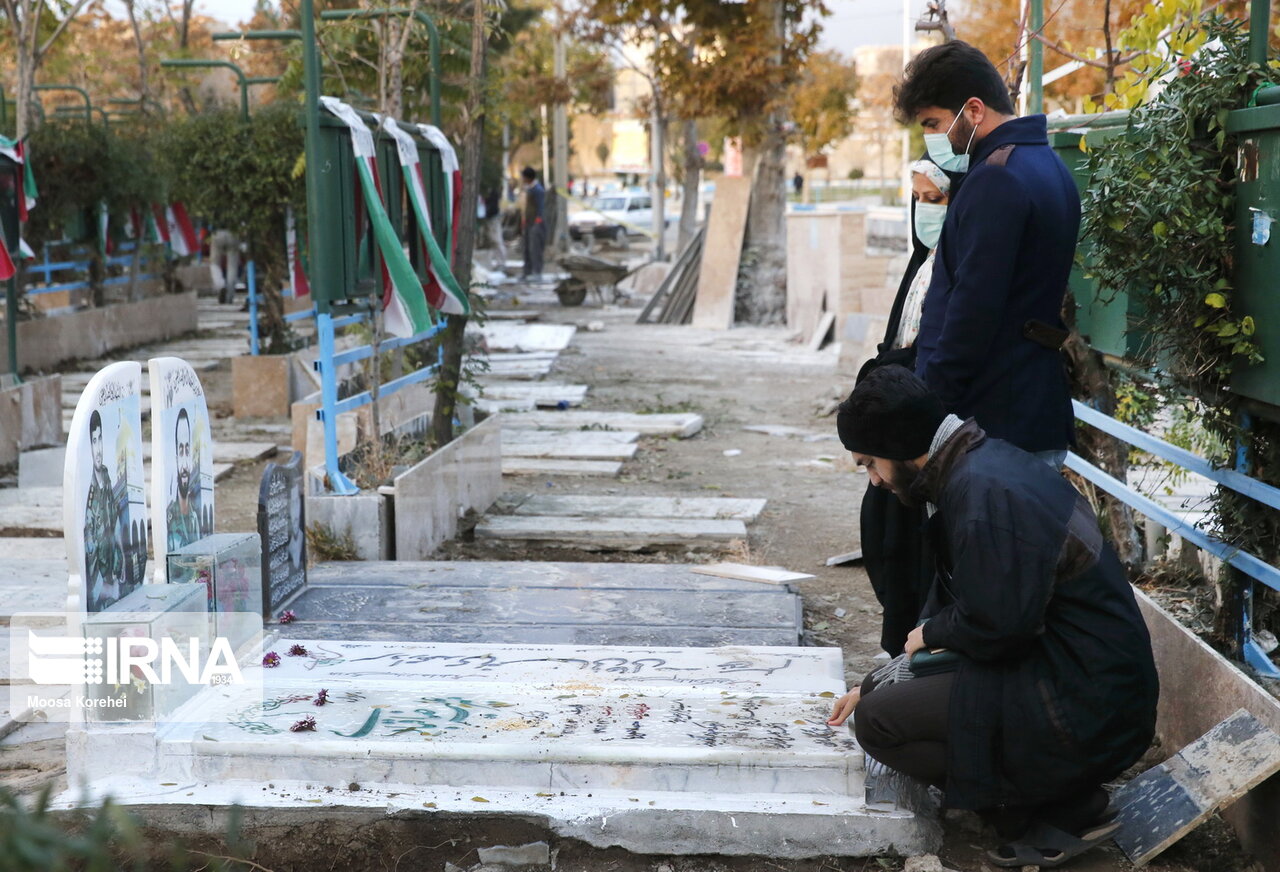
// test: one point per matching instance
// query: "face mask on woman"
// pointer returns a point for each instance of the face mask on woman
(941, 152)
(929, 218)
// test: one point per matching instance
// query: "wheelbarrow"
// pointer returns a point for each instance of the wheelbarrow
(588, 273)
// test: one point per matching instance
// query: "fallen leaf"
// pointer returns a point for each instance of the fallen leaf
(826, 694)
(478, 799)
(544, 794)
(428, 805)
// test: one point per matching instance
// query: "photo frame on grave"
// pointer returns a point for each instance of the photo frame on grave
(282, 527)
(104, 494)
(182, 488)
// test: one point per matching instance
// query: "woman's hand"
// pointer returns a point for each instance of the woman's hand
(915, 641)
(844, 707)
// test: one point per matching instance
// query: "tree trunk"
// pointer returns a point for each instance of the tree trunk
(762, 285)
(692, 181)
(26, 79)
(1091, 383)
(130, 7)
(449, 379)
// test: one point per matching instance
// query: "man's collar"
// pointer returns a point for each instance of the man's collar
(1027, 130)
(933, 475)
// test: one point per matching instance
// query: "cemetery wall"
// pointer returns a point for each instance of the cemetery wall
(44, 343)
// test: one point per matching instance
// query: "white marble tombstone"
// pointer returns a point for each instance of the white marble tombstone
(181, 459)
(104, 496)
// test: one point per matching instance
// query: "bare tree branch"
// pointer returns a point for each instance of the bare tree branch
(62, 25)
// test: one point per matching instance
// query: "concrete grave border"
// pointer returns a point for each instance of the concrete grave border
(1199, 688)
(464, 475)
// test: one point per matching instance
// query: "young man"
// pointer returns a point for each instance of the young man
(991, 326)
(1053, 686)
(534, 226)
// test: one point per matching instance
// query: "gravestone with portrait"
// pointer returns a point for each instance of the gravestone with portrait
(282, 528)
(181, 459)
(104, 496)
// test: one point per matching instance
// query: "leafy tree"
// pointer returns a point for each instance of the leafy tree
(821, 101)
(34, 27)
(736, 61)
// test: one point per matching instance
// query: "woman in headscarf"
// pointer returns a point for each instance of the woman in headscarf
(894, 549)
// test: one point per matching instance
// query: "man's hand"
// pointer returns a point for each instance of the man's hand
(915, 641)
(844, 707)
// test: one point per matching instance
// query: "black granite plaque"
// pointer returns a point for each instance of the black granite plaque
(283, 528)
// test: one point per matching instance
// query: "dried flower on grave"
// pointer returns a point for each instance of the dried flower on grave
(287, 616)
(306, 724)
(321, 698)
(297, 651)
(271, 660)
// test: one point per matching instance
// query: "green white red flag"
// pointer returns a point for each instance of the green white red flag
(442, 289)
(298, 284)
(17, 152)
(404, 303)
(452, 181)
(7, 269)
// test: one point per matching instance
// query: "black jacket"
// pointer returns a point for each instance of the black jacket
(1056, 692)
(1005, 255)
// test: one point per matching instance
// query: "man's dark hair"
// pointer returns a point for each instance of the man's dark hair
(95, 422)
(182, 416)
(890, 414)
(946, 76)
(528, 174)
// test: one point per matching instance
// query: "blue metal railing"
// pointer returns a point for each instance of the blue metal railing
(331, 407)
(1250, 565)
(47, 268)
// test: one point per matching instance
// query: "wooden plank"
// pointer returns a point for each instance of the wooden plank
(571, 450)
(683, 424)
(746, 572)
(819, 337)
(1166, 802)
(611, 533)
(718, 276)
(594, 437)
(849, 557)
(538, 466)
(688, 508)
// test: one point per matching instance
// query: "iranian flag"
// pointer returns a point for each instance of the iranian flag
(404, 303)
(452, 181)
(157, 229)
(7, 269)
(17, 152)
(298, 284)
(179, 232)
(443, 292)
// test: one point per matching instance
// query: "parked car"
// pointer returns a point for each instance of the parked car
(615, 217)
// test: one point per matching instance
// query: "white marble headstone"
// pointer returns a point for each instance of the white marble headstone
(181, 459)
(104, 496)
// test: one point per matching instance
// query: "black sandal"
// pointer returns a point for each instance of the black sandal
(1049, 847)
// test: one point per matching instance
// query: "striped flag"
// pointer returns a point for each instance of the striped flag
(452, 181)
(181, 235)
(17, 152)
(404, 304)
(298, 284)
(157, 225)
(7, 269)
(443, 292)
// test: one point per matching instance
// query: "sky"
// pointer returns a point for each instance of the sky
(852, 23)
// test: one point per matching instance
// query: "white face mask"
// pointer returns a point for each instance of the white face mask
(941, 152)
(928, 221)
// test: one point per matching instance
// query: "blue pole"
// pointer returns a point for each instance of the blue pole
(251, 279)
(328, 407)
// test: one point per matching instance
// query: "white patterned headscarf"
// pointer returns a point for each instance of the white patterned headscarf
(933, 173)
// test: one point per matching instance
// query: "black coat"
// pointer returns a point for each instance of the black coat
(1005, 255)
(1056, 692)
(895, 551)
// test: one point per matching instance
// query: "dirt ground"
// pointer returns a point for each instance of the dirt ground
(743, 377)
